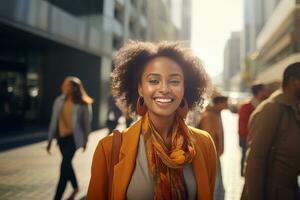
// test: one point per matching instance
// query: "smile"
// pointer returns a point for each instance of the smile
(163, 100)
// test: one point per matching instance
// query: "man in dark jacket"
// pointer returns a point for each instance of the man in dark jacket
(273, 162)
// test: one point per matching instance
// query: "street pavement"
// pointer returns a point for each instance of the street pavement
(230, 160)
(30, 173)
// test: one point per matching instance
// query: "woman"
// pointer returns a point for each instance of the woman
(211, 121)
(160, 156)
(70, 125)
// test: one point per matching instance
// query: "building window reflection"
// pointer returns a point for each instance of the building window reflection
(19, 96)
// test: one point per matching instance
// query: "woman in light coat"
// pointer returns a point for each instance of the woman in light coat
(70, 125)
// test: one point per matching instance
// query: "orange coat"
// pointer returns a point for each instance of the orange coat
(212, 123)
(204, 165)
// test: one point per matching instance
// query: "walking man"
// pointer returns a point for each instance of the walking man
(259, 93)
(273, 162)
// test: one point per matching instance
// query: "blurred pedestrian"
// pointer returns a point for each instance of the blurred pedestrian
(128, 120)
(273, 162)
(160, 156)
(113, 114)
(70, 125)
(260, 93)
(211, 122)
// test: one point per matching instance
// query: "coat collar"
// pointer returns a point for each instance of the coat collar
(128, 152)
(281, 98)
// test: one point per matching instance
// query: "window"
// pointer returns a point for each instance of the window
(119, 12)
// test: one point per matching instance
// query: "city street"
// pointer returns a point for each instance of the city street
(30, 173)
(63, 61)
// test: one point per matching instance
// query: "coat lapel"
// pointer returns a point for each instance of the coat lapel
(124, 169)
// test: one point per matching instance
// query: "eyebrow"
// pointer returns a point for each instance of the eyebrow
(155, 74)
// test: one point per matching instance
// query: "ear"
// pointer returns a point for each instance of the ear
(292, 82)
(140, 90)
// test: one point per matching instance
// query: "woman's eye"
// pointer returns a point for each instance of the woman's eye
(153, 81)
(175, 82)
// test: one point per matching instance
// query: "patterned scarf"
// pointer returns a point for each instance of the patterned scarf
(166, 165)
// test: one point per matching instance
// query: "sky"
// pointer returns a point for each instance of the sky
(212, 23)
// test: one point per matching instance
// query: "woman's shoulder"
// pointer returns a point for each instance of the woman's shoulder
(202, 137)
(60, 97)
(129, 137)
(204, 143)
(199, 133)
(58, 100)
(106, 142)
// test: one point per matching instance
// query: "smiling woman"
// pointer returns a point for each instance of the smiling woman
(160, 156)
(162, 87)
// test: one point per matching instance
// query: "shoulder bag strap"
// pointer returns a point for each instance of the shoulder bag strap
(116, 146)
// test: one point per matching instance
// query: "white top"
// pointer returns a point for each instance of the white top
(141, 185)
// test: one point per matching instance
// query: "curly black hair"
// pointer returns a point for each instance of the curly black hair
(131, 60)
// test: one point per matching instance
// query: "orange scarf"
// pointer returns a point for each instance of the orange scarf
(166, 165)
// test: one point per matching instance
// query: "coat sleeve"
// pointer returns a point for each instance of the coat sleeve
(262, 127)
(212, 159)
(87, 120)
(208, 150)
(209, 124)
(51, 128)
(98, 186)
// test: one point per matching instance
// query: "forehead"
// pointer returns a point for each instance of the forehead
(67, 82)
(162, 66)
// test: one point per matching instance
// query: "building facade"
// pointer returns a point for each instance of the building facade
(277, 42)
(43, 41)
(182, 18)
(232, 61)
(160, 23)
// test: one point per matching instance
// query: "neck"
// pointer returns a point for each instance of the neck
(258, 98)
(68, 98)
(162, 124)
(290, 94)
(215, 108)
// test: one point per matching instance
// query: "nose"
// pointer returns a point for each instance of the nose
(164, 87)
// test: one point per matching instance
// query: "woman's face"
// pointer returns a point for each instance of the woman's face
(162, 86)
(66, 87)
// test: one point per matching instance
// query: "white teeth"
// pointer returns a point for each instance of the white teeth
(163, 100)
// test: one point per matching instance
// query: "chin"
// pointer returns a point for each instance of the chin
(164, 114)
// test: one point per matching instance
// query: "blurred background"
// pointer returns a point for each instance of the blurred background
(43, 41)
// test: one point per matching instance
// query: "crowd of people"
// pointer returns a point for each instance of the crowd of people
(166, 155)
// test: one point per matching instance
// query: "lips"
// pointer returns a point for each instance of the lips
(163, 100)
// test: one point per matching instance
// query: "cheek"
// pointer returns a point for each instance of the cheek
(146, 90)
(179, 91)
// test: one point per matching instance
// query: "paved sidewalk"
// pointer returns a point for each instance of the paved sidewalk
(230, 160)
(30, 173)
